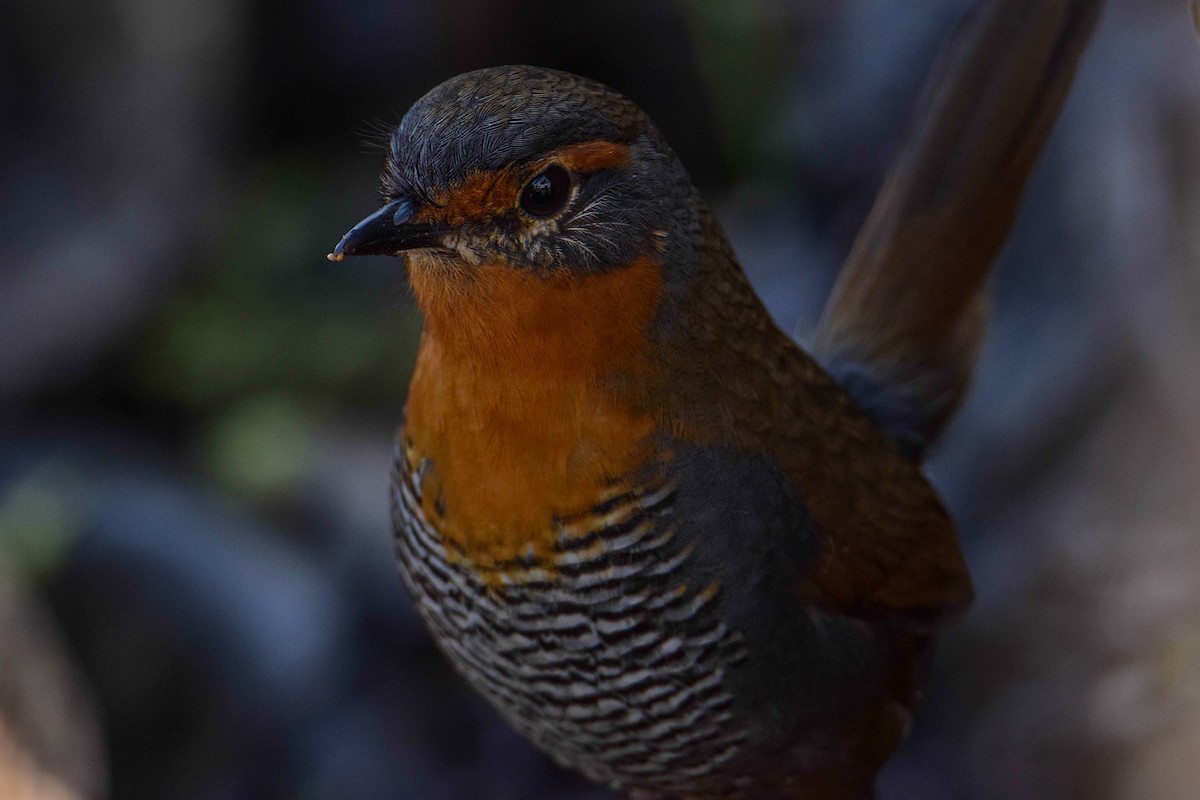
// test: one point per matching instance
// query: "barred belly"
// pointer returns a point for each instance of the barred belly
(603, 654)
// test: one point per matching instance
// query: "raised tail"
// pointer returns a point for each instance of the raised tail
(907, 316)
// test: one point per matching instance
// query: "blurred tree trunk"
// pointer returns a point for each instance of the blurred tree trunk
(50, 745)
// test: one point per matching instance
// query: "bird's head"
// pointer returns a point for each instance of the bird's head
(530, 171)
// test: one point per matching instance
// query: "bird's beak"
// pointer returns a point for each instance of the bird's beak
(387, 232)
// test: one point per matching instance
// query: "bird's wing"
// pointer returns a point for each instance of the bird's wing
(886, 543)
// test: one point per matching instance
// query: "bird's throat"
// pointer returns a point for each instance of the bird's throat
(529, 399)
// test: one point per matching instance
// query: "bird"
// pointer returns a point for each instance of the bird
(683, 555)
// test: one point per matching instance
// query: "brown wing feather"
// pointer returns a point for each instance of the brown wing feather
(887, 545)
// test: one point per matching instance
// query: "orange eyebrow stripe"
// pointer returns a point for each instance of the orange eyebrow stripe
(479, 195)
(593, 156)
(483, 194)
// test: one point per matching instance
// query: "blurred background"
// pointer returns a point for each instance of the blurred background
(197, 592)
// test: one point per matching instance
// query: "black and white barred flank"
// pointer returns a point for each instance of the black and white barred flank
(604, 656)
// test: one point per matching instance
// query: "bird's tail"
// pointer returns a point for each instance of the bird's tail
(907, 316)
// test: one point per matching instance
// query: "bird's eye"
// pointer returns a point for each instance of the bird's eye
(547, 193)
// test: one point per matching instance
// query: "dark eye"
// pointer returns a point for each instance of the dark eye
(547, 193)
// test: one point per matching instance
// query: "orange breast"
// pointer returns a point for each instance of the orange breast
(528, 398)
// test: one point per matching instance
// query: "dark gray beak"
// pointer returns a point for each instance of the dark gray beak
(387, 232)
